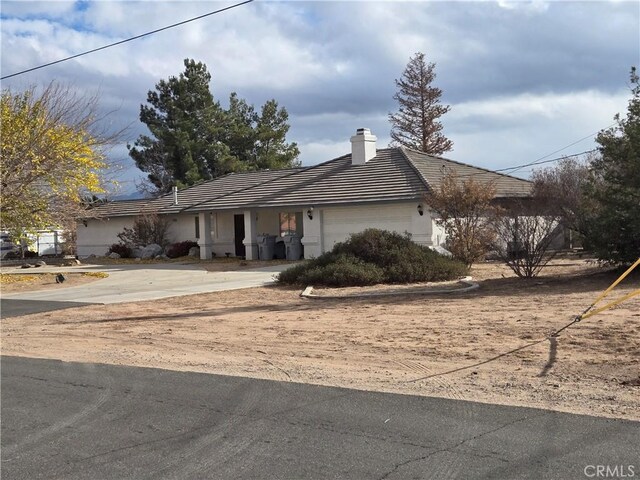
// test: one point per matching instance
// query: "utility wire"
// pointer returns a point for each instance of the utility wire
(518, 167)
(538, 162)
(542, 160)
(126, 40)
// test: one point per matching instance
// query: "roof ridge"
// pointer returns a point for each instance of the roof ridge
(414, 167)
(464, 164)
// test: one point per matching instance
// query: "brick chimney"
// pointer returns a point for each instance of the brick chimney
(363, 146)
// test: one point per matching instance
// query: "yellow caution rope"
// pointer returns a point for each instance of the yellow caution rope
(586, 314)
(589, 312)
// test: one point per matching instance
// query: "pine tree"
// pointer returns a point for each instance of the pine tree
(193, 138)
(182, 116)
(271, 150)
(416, 123)
(613, 228)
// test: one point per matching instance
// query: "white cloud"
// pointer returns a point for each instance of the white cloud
(529, 6)
(502, 132)
(587, 107)
(51, 9)
(317, 152)
(524, 78)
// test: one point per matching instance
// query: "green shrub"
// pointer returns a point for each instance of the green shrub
(180, 249)
(374, 256)
(341, 271)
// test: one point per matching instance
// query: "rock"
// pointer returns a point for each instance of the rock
(41, 263)
(442, 251)
(151, 251)
(25, 265)
(162, 257)
(194, 252)
(70, 262)
(136, 252)
(114, 255)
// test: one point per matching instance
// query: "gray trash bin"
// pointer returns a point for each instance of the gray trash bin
(266, 246)
(293, 247)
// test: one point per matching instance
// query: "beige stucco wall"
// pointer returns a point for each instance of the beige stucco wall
(182, 228)
(268, 222)
(222, 233)
(318, 237)
(98, 235)
(333, 224)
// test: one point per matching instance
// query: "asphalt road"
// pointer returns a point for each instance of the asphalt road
(87, 421)
(132, 283)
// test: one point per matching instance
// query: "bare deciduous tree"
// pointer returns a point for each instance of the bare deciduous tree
(525, 230)
(462, 206)
(53, 145)
(147, 229)
(562, 188)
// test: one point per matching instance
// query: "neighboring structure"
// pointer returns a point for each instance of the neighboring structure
(44, 242)
(323, 204)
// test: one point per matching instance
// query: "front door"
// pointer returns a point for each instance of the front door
(238, 224)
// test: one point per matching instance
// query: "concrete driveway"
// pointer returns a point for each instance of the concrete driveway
(130, 283)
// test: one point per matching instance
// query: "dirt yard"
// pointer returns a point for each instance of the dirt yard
(387, 343)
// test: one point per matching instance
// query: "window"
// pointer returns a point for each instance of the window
(197, 227)
(288, 224)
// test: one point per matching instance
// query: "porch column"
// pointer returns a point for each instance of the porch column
(205, 242)
(421, 224)
(250, 235)
(312, 232)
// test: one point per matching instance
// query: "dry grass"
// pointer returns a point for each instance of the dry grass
(17, 282)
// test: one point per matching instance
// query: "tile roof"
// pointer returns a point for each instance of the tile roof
(386, 177)
(432, 170)
(190, 196)
(216, 188)
(119, 208)
(394, 174)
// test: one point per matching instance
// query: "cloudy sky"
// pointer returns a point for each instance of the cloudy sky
(524, 79)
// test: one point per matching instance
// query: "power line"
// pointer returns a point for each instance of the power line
(518, 167)
(539, 162)
(542, 160)
(126, 40)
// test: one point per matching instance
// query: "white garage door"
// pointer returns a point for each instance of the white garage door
(339, 223)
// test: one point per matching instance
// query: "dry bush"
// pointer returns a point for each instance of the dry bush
(462, 206)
